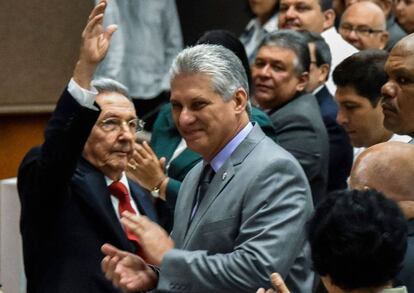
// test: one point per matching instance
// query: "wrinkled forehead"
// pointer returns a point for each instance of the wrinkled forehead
(115, 104)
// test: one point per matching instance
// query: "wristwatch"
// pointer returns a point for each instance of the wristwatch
(155, 191)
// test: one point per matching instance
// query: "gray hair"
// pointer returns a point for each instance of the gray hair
(294, 41)
(104, 85)
(220, 64)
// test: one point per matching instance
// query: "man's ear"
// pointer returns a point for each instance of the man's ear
(384, 39)
(324, 69)
(329, 18)
(240, 99)
(303, 81)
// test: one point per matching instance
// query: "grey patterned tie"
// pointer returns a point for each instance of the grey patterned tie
(205, 179)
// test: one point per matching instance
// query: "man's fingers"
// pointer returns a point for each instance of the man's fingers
(92, 24)
(105, 263)
(110, 31)
(112, 251)
(98, 9)
(278, 283)
(147, 147)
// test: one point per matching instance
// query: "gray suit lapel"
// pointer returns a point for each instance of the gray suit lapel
(222, 178)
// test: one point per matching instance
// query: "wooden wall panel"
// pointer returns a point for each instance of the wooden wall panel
(18, 133)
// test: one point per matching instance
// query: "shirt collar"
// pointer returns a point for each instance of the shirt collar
(218, 161)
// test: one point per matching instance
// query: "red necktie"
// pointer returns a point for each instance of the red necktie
(119, 190)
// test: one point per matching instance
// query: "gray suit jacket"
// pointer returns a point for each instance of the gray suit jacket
(250, 223)
(301, 131)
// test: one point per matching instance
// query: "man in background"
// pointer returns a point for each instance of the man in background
(359, 79)
(388, 167)
(340, 148)
(280, 76)
(363, 25)
(319, 17)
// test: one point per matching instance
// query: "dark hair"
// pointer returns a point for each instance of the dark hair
(229, 41)
(363, 71)
(250, 13)
(325, 4)
(322, 50)
(294, 41)
(358, 238)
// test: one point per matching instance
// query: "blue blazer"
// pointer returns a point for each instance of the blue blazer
(340, 148)
(66, 210)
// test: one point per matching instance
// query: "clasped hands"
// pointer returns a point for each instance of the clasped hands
(129, 271)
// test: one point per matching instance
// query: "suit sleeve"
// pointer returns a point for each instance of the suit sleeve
(46, 171)
(271, 235)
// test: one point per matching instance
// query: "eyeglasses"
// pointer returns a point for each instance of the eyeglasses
(359, 31)
(115, 124)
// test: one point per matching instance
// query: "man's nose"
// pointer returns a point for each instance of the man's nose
(186, 117)
(389, 91)
(126, 133)
(341, 117)
(264, 70)
(291, 12)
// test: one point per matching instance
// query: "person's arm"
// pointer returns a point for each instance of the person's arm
(276, 207)
(47, 170)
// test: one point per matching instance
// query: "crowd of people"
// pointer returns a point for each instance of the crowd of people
(274, 162)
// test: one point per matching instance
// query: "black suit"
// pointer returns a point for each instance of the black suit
(340, 148)
(67, 213)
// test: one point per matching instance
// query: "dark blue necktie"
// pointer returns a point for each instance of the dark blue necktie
(205, 179)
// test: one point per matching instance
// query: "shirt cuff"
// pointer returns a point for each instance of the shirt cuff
(85, 98)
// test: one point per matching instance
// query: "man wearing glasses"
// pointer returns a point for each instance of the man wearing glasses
(363, 25)
(73, 187)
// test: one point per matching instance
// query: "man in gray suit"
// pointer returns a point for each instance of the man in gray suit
(280, 75)
(251, 219)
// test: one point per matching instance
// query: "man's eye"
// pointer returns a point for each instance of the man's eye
(302, 8)
(176, 106)
(133, 124)
(277, 67)
(259, 64)
(111, 122)
(199, 105)
(401, 80)
(283, 8)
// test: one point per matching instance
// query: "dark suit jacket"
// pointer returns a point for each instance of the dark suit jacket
(406, 276)
(250, 223)
(340, 149)
(300, 130)
(66, 210)
(165, 139)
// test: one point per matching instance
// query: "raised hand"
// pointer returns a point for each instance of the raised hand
(94, 45)
(126, 270)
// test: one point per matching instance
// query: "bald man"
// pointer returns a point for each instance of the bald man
(388, 167)
(363, 25)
